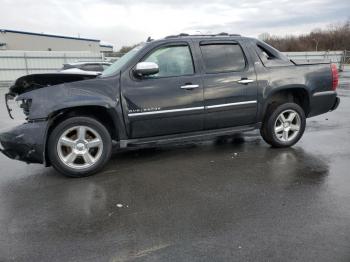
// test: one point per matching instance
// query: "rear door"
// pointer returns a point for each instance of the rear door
(169, 102)
(230, 86)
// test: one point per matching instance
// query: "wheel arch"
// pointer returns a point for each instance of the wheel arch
(106, 116)
(298, 94)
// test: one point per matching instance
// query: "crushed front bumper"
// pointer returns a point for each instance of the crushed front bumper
(25, 142)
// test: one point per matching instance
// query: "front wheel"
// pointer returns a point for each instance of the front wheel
(79, 146)
(284, 125)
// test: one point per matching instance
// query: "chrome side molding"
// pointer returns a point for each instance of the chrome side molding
(190, 108)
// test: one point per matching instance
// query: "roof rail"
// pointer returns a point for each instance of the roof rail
(184, 35)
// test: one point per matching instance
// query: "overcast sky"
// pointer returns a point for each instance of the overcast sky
(125, 22)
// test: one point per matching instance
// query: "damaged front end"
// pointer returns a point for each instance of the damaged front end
(26, 142)
(32, 82)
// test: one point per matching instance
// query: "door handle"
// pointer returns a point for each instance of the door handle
(189, 86)
(245, 81)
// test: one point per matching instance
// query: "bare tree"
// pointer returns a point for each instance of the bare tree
(334, 37)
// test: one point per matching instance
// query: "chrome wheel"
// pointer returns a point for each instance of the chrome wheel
(287, 125)
(80, 147)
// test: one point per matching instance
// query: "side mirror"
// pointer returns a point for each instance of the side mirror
(146, 68)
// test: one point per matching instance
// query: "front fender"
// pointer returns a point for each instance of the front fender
(96, 92)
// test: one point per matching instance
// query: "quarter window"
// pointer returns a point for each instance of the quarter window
(172, 61)
(219, 58)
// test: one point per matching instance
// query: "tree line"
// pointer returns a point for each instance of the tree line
(334, 37)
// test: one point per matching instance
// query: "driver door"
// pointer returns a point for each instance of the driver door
(168, 102)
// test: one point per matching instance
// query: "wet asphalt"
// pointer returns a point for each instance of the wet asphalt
(223, 200)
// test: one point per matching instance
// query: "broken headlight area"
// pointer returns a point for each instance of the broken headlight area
(23, 104)
(8, 98)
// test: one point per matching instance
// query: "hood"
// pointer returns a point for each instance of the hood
(35, 81)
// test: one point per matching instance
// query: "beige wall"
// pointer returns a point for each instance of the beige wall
(18, 41)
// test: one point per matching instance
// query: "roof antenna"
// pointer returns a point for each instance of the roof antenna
(149, 39)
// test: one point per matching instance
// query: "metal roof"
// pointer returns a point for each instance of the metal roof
(47, 35)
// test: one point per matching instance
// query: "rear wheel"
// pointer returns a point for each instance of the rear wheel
(284, 125)
(79, 146)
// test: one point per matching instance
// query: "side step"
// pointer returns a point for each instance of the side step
(192, 136)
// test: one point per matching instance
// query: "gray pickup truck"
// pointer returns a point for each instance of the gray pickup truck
(182, 87)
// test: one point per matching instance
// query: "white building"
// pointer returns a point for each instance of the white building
(28, 41)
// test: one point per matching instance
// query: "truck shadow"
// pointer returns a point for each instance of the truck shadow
(246, 153)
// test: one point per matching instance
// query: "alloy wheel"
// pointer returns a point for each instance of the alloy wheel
(287, 125)
(80, 147)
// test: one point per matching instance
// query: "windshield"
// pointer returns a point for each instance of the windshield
(117, 65)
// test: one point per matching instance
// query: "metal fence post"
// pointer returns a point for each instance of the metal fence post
(26, 62)
(342, 61)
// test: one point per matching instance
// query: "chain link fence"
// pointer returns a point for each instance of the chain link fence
(346, 58)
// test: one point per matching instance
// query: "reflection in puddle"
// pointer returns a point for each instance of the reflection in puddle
(295, 166)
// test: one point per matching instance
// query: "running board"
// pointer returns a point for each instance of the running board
(198, 135)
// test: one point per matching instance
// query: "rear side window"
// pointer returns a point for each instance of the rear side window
(172, 61)
(219, 58)
(264, 54)
(270, 57)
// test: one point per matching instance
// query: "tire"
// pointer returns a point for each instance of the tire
(280, 128)
(79, 147)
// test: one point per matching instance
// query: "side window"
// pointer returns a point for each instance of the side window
(219, 58)
(172, 61)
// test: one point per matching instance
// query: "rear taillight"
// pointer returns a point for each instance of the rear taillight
(335, 76)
